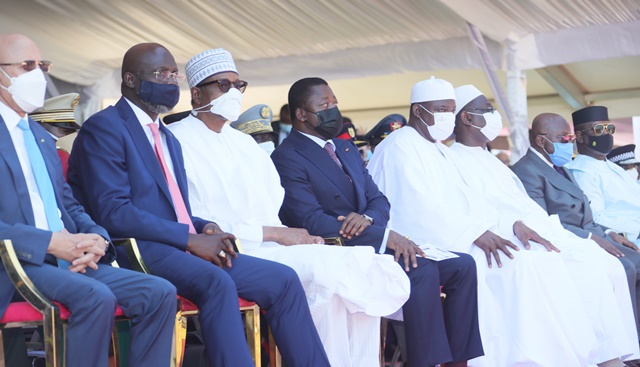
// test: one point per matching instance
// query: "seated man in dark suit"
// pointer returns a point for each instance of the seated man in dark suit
(329, 192)
(553, 187)
(128, 170)
(61, 249)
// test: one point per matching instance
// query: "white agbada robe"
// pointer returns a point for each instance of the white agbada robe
(613, 195)
(592, 268)
(234, 183)
(530, 313)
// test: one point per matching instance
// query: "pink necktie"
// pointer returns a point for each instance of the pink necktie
(330, 149)
(176, 196)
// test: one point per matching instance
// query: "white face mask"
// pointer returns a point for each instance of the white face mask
(27, 89)
(267, 146)
(493, 124)
(633, 173)
(444, 122)
(227, 105)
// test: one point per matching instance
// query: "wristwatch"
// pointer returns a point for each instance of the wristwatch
(368, 218)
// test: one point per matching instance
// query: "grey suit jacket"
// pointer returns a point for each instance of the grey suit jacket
(558, 195)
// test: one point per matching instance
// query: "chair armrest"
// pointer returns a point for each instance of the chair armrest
(334, 241)
(21, 281)
(133, 253)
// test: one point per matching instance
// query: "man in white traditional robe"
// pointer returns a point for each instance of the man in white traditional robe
(614, 196)
(233, 182)
(530, 312)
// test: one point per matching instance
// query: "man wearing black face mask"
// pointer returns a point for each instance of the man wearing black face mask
(614, 196)
(329, 192)
(129, 171)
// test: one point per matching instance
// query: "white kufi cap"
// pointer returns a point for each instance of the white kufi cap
(432, 89)
(466, 94)
(207, 63)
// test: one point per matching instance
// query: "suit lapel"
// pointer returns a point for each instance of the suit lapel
(321, 159)
(555, 179)
(176, 158)
(353, 170)
(142, 145)
(9, 155)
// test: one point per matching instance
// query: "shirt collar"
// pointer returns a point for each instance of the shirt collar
(544, 159)
(10, 117)
(142, 116)
(321, 142)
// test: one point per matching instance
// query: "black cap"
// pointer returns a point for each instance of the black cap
(589, 114)
(386, 126)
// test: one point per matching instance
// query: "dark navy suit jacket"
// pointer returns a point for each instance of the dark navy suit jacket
(132, 198)
(317, 191)
(17, 221)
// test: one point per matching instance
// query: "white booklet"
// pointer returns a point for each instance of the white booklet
(437, 254)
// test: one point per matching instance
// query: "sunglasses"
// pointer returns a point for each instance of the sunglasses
(569, 138)
(599, 129)
(225, 84)
(29, 65)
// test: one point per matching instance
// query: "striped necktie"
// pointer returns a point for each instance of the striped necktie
(43, 181)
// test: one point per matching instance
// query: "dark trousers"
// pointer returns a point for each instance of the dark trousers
(436, 332)
(274, 287)
(148, 301)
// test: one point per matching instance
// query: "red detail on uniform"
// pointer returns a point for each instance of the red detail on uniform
(64, 160)
(344, 136)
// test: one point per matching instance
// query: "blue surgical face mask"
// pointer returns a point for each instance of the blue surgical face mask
(562, 153)
(166, 95)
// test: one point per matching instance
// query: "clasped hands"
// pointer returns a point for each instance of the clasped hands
(82, 250)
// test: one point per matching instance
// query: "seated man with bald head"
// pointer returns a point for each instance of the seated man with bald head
(128, 169)
(554, 188)
(62, 250)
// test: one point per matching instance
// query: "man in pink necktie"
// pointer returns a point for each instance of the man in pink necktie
(128, 170)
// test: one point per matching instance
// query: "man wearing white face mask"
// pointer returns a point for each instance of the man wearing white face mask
(256, 122)
(234, 183)
(529, 300)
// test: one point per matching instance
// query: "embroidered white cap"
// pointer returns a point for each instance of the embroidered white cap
(207, 63)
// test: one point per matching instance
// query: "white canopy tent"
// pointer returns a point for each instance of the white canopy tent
(572, 52)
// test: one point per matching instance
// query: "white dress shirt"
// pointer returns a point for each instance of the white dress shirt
(145, 120)
(11, 119)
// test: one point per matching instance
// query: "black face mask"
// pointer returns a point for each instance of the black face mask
(602, 143)
(166, 95)
(330, 122)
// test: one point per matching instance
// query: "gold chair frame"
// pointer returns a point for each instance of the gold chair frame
(252, 313)
(51, 322)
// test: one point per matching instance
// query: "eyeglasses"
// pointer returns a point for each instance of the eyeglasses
(489, 109)
(168, 76)
(225, 85)
(599, 129)
(569, 138)
(29, 65)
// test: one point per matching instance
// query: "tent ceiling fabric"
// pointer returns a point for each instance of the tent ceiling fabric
(277, 41)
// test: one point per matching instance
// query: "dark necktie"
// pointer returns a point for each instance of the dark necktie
(330, 149)
(560, 171)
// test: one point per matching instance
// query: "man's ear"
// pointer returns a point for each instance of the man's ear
(416, 110)
(465, 118)
(129, 80)
(579, 137)
(196, 95)
(300, 116)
